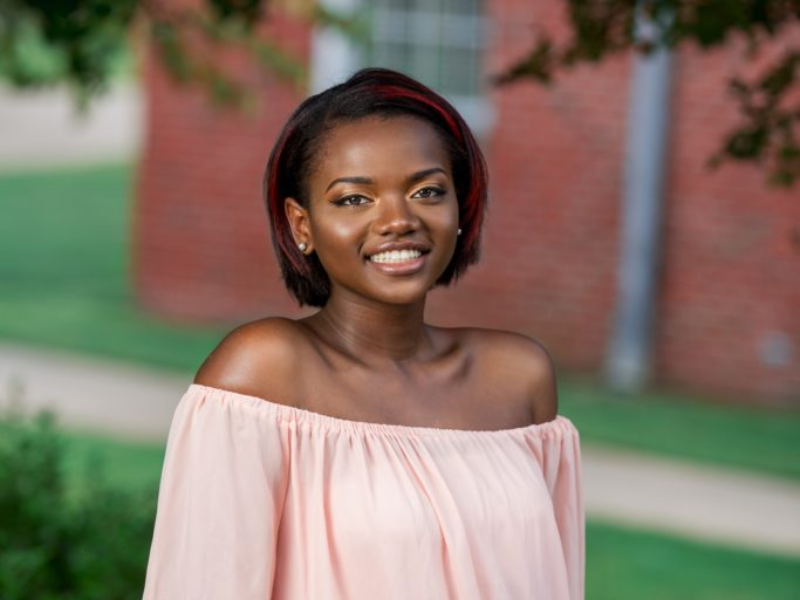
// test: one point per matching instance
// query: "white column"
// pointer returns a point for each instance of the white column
(629, 355)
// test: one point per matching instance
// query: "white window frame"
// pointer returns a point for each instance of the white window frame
(334, 57)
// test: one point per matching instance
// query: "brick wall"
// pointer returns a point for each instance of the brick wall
(729, 286)
(730, 281)
(202, 248)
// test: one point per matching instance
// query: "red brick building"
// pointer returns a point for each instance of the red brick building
(727, 316)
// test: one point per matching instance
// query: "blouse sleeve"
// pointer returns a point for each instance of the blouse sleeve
(562, 474)
(221, 496)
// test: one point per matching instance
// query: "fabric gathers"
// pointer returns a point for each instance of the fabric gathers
(262, 501)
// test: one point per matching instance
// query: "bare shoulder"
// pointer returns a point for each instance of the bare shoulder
(259, 358)
(518, 363)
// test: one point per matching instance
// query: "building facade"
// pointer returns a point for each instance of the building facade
(727, 314)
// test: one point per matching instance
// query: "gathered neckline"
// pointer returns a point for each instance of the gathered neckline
(293, 413)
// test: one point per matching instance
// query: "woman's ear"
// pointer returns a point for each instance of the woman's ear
(298, 221)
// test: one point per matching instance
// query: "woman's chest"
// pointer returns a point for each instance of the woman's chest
(456, 400)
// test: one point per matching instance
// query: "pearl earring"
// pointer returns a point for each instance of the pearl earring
(302, 246)
(460, 231)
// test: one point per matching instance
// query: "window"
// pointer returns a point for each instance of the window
(439, 42)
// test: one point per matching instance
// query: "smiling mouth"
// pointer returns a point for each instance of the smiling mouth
(395, 256)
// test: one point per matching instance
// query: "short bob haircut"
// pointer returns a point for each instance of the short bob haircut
(367, 93)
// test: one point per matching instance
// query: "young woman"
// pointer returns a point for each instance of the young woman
(362, 453)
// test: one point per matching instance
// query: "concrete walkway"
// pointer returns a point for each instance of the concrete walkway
(705, 503)
(42, 129)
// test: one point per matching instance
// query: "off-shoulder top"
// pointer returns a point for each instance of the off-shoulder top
(263, 501)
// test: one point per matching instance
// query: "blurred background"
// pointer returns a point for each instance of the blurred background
(644, 225)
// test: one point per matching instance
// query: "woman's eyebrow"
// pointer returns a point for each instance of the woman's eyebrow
(354, 179)
(425, 173)
(414, 177)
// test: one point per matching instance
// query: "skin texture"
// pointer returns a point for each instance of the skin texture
(368, 355)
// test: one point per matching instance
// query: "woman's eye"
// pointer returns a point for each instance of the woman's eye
(429, 192)
(354, 200)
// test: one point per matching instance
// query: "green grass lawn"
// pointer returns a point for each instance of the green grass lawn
(760, 439)
(64, 282)
(64, 279)
(625, 564)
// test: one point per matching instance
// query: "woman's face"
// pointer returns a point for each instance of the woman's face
(382, 213)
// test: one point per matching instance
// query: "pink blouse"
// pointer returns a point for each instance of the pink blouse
(263, 501)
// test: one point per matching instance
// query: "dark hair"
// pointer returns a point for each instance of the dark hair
(368, 92)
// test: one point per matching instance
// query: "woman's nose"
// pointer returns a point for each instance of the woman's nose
(396, 216)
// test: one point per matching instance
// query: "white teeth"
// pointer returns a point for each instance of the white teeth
(395, 256)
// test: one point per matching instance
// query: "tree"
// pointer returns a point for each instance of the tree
(76, 41)
(768, 103)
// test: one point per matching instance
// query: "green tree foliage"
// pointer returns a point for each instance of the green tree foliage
(58, 543)
(767, 102)
(45, 42)
(42, 42)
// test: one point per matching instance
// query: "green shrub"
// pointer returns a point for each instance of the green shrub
(62, 541)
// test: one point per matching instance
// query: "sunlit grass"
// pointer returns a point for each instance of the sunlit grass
(627, 564)
(64, 280)
(758, 438)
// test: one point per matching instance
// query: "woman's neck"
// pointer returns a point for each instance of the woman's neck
(373, 332)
